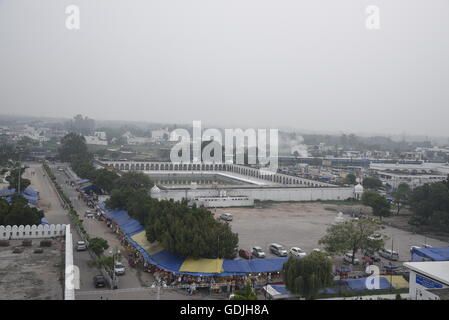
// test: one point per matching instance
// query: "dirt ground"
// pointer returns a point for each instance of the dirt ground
(303, 224)
(31, 276)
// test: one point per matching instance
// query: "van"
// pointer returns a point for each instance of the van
(278, 250)
(226, 216)
(389, 254)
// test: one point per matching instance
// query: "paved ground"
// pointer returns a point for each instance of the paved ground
(29, 275)
(302, 225)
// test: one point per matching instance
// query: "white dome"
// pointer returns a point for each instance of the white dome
(155, 189)
(358, 188)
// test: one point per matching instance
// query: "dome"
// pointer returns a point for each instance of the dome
(155, 189)
(358, 188)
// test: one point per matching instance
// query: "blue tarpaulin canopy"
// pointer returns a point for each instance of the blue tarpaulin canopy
(433, 254)
(171, 262)
(360, 284)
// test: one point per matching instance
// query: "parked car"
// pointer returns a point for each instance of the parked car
(278, 250)
(389, 254)
(348, 258)
(298, 252)
(226, 216)
(258, 252)
(374, 256)
(375, 237)
(245, 254)
(81, 246)
(119, 268)
(99, 281)
(89, 214)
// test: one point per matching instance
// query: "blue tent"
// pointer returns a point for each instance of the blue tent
(266, 265)
(433, 254)
(360, 284)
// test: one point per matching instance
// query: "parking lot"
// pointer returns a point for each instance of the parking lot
(302, 225)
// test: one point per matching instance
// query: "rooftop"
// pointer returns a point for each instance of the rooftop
(438, 270)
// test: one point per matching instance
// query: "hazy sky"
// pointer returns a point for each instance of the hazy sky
(308, 64)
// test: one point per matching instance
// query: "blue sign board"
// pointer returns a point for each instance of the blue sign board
(428, 283)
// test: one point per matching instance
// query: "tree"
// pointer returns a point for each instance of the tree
(371, 183)
(133, 180)
(430, 204)
(352, 236)
(73, 147)
(401, 196)
(307, 276)
(350, 178)
(105, 179)
(247, 293)
(18, 212)
(381, 207)
(98, 245)
(13, 180)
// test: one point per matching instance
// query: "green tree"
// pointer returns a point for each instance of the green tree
(401, 196)
(98, 245)
(429, 204)
(247, 293)
(352, 236)
(309, 275)
(105, 179)
(371, 183)
(73, 147)
(381, 207)
(133, 180)
(13, 180)
(350, 178)
(18, 212)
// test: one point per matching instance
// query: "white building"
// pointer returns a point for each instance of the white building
(429, 280)
(133, 140)
(99, 138)
(160, 134)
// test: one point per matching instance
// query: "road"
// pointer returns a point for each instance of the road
(56, 214)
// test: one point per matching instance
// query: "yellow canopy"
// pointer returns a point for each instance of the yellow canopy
(397, 281)
(202, 265)
(151, 248)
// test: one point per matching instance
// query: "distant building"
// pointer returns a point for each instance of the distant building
(160, 134)
(99, 138)
(133, 140)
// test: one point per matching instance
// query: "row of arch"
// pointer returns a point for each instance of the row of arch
(251, 172)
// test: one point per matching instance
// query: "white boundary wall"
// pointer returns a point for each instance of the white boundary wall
(71, 275)
(32, 232)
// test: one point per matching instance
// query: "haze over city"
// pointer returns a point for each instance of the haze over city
(224, 150)
(310, 65)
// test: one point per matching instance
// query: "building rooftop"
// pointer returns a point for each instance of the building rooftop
(438, 270)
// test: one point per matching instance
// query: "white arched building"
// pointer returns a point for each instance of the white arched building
(253, 183)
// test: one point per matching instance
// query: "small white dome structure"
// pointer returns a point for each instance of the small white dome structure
(358, 191)
(155, 192)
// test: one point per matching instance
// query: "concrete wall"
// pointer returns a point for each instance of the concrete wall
(263, 194)
(31, 232)
(71, 275)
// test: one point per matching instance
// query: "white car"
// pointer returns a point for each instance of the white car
(375, 237)
(81, 246)
(119, 268)
(298, 252)
(348, 258)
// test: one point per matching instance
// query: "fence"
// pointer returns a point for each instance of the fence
(31, 232)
